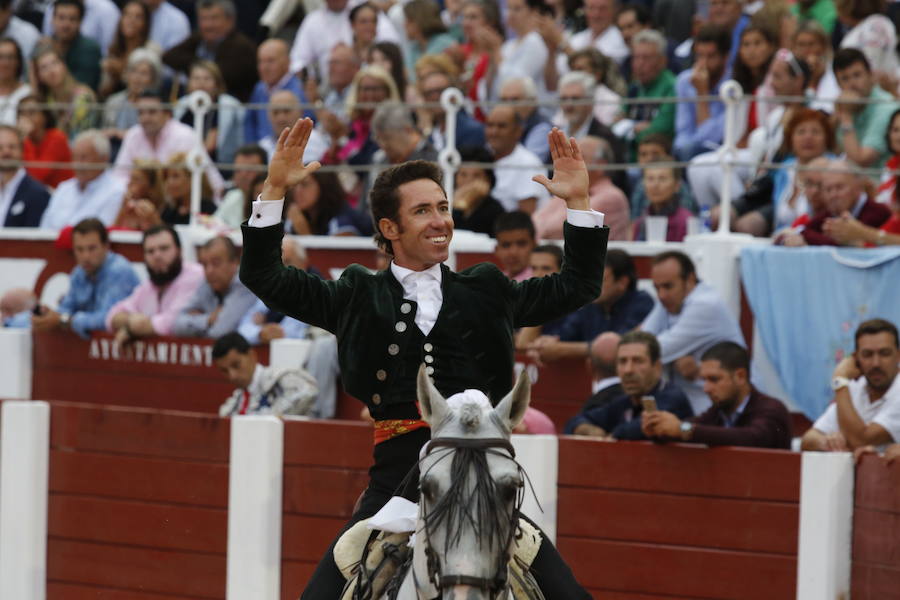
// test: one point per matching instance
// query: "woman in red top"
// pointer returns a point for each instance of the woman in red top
(43, 142)
(888, 185)
(481, 20)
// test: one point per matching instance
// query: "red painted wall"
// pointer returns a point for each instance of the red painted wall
(876, 531)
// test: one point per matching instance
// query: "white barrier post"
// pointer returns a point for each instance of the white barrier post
(15, 368)
(826, 525)
(289, 353)
(24, 467)
(254, 508)
(199, 103)
(539, 456)
(731, 94)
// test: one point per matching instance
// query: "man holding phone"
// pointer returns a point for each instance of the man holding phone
(739, 416)
(639, 368)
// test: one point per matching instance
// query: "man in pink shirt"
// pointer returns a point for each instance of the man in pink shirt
(157, 137)
(605, 197)
(153, 305)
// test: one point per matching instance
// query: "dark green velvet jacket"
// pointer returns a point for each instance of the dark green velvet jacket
(379, 345)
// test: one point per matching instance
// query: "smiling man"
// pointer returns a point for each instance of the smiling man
(418, 311)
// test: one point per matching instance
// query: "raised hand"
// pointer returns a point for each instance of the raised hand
(570, 176)
(286, 165)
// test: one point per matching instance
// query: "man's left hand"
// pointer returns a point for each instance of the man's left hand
(570, 176)
(46, 321)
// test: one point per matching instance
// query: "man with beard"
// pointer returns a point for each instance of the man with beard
(866, 407)
(152, 307)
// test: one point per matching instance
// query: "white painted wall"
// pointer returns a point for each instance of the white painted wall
(539, 456)
(15, 364)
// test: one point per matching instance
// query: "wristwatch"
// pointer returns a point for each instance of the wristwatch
(64, 319)
(687, 430)
(838, 383)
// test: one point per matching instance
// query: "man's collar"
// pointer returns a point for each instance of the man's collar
(401, 273)
(860, 202)
(280, 84)
(256, 382)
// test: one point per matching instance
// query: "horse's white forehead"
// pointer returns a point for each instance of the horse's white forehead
(476, 397)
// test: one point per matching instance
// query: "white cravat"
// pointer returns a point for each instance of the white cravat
(423, 288)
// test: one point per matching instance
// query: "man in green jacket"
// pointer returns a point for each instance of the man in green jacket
(460, 325)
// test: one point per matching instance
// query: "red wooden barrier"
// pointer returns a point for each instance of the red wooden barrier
(639, 520)
(561, 388)
(876, 531)
(138, 504)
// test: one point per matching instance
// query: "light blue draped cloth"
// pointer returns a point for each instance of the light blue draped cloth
(807, 304)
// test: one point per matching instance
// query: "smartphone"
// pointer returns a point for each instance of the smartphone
(649, 403)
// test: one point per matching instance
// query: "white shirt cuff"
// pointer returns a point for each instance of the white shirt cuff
(266, 212)
(578, 218)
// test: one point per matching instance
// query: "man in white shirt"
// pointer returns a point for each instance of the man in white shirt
(866, 407)
(601, 32)
(93, 192)
(24, 33)
(169, 26)
(513, 189)
(285, 110)
(101, 18)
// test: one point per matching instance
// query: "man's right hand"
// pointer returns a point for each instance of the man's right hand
(286, 165)
(835, 442)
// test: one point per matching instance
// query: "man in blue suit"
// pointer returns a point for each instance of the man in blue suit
(22, 199)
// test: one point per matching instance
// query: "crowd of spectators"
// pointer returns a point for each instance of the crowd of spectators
(98, 132)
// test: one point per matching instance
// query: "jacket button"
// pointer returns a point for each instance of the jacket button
(400, 326)
(380, 375)
(429, 358)
(376, 399)
(429, 370)
(405, 308)
(428, 347)
(393, 349)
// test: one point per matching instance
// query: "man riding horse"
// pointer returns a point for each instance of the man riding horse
(460, 325)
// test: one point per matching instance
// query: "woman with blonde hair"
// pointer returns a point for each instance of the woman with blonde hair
(54, 84)
(176, 209)
(143, 200)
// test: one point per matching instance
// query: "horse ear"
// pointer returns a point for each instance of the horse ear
(431, 404)
(513, 406)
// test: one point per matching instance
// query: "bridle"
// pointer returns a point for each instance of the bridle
(498, 583)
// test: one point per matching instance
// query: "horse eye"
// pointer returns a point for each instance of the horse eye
(508, 490)
(429, 490)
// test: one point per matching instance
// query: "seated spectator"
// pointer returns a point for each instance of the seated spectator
(343, 65)
(821, 12)
(845, 196)
(610, 84)
(389, 57)
(871, 32)
(601, 32)
(512, 190)
(93, 192)
(473, 54)
(221, 300)
(25, 34)
(272, 62)
(605, 385)
(132, 33)
(848, 231)
(16, 306)
(284, 111)
(740, 414)
(43, 142)
(813, 45)
(319, 207)
(176, 209)
(23, 200)
(640, 371)
(661, 184)
(153, 305)
(235, 206)
(887, 187)
(619, 308)
(364, 23)
(100, 279)
(515, 241)
(158, 137)
(656, 147)
(535, 127)
(425, 31)
(866, 407)
(688, 319)
(261, 390)
(143, 73)
(81, 54)
(98, 22)
(605, 197)
(469, 132)
(223, 124)
(523, 54)
(56, 85)
(861, 127)
(399, 139)
(217, 39)
(474, 208)
(546, 260)
(700, 126)
(576, 117)
(143, 200)
(12, 88)
(169, 26)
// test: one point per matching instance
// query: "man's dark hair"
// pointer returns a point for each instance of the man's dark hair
(230, 249)
(553, 250)
(253, 150)
(847, 57)
(714, 34)
(157, 229)
(384, 198)
(621, 265)
(875, 326)
(683, 260)
(227, 6)
(641, 14)
(479, 154)
(76, 3)
(86, 226)
(227, 343)
(513, 221)
(658, 138)
(647, 339)
(730, 355)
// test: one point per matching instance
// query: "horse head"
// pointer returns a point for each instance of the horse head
(471, 489)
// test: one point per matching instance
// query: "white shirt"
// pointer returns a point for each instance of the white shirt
(885, 411)
(69, 204)
(25, 34)
(9, 104)
(316, 147)
(101, 18)
(423, 288)
(6, 195)
(610, 43)
(169, 26)
(514, 183)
